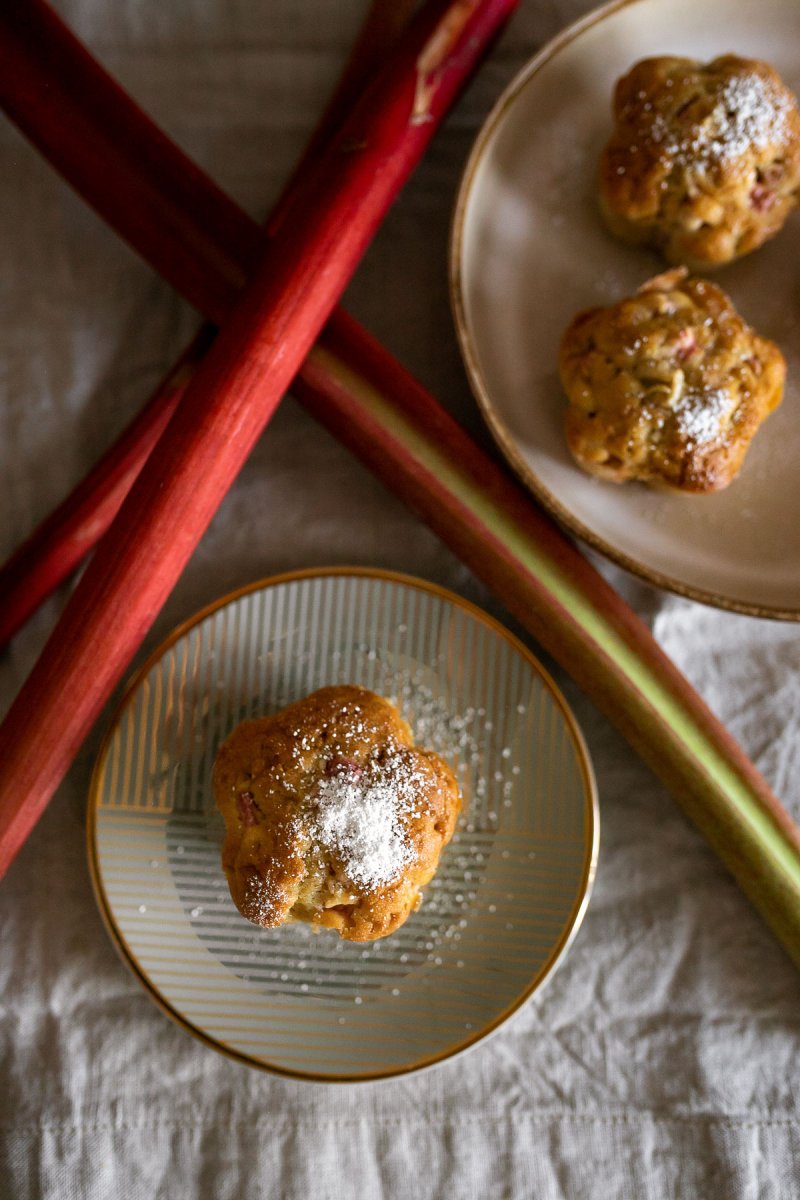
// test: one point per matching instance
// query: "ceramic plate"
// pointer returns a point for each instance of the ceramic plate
(512, 885)
(529, 251)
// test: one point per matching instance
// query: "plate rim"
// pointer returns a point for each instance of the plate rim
(497, 427)
(591, 839)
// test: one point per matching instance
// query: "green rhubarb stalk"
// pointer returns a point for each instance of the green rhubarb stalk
(397, 429)
(427, 459)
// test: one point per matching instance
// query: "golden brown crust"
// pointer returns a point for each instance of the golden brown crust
(704, 161)
(668, 386)
(295, 791)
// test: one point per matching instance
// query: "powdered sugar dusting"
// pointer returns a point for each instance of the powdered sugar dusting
(358, 816)
(748, 115)
(263, 901)
(701, 415)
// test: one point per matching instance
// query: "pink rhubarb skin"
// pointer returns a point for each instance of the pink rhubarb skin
(57, 93)
(61, 542)
(354, 387)
(229, 401)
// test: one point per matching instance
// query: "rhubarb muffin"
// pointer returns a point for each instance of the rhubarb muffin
(332, 815)
(668, 386)
(704, 161)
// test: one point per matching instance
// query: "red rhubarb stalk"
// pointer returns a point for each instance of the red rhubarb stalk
(94, 134)
(398, 430)
(61, 542)
(380, 31)
(228, 403)
(354, 387)
(48, 81)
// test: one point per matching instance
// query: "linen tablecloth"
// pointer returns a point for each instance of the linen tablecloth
(662, 1059)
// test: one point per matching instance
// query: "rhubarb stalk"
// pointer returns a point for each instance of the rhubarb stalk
(229, 401)
(398, 429)
(48, 81)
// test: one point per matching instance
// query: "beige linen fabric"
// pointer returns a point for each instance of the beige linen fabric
(662, 1060)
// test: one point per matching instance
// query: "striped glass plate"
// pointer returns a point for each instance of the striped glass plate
(511, 888)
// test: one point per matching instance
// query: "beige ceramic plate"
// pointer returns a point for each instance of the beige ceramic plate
(512, 885)
(529, 251)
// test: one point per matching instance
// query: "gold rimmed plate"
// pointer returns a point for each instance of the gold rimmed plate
(511, 888)
(529, 250)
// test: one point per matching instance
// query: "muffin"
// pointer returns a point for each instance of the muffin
(704, 161)
(668, 386)
(332, 815)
